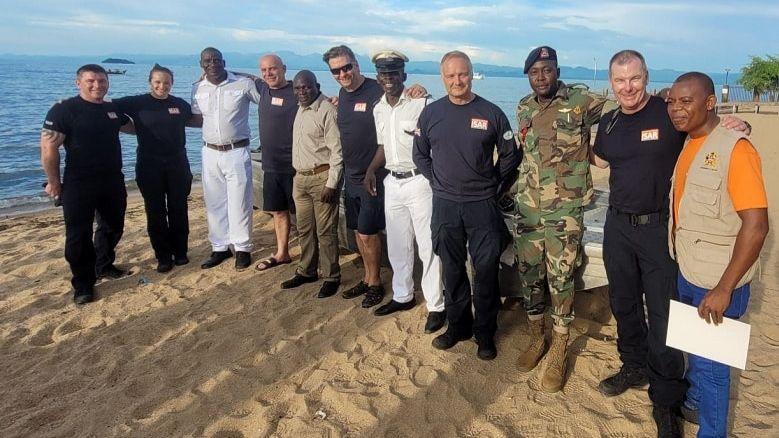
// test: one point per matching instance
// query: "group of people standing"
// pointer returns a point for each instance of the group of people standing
(441, 174)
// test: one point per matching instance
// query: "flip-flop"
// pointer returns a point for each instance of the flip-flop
(270, 262)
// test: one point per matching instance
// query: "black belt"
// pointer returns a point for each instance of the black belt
(403, 175)
(229, 146)
(642, 219)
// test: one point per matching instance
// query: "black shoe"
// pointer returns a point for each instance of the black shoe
(164, 266)
(242, 260)
(111, 272)
(435, 320)
(667, 424)
(355, 291)
(394, 306)
(487, 349)
(216, 259)
(373, 296)
(448, 340)
(625, 379)
(297, 280)
(181, 260)
(328, 289)
(81, 297)
(690, 415)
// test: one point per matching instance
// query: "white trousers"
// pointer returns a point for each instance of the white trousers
(227, 190)
(408, 208)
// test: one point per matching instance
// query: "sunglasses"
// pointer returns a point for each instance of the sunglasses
(344, 68)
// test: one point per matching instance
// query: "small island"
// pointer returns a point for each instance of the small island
(117, 61)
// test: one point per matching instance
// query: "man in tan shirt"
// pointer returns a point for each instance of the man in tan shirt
(317, 159)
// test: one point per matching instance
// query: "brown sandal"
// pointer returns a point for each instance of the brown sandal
(270, 262)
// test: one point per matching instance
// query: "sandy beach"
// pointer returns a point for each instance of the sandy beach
(223, 354)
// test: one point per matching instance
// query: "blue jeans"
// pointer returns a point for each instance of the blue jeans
(709, 380)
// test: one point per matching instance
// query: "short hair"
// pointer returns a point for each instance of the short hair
(624, 56)
(92, 68)
(701, 78)
(457, 54)
(213, 50)
(160, 69)
(337, 51)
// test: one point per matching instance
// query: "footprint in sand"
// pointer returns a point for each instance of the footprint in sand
(69, 326)
(43, 336)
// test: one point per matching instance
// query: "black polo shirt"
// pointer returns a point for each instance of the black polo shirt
(277, 111)
(159, 124)
(454, 148)
(358, 128)
(641, 149)
(92, 147)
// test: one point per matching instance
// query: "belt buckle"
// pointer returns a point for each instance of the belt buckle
(634, 220)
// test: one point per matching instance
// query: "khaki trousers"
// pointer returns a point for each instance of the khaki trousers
(317, 224)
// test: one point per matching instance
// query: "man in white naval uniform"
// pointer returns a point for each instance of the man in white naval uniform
(222, 100)
(408, 198)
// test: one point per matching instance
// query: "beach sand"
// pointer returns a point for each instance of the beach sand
(223, 354)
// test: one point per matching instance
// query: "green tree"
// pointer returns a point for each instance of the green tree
(761, 75)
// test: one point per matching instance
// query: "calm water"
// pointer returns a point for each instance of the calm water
(30, 88)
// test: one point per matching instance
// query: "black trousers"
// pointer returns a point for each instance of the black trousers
(104, 199)
(480, 226)
(641, 272)
(165, 184)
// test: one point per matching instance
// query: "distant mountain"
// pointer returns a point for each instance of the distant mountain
(116, 61)
(313, 61)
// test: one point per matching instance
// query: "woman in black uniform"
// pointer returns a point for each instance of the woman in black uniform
(162, 169)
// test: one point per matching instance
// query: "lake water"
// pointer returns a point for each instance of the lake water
(31, 87)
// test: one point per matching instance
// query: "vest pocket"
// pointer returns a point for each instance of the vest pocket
(703, 192)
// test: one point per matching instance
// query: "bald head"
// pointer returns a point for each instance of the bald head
(703, 80)
(273, 71)
(306, 87)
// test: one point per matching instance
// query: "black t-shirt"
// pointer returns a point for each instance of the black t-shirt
(358, 128)
(454, 148)
(159, 124)
(277, 111)
(91, 131)
(641, 149)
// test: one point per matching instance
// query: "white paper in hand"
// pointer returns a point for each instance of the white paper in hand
(727, 343)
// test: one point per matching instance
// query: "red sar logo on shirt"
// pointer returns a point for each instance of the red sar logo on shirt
(479, 124)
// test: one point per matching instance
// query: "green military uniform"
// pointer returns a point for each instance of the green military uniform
(554, 185)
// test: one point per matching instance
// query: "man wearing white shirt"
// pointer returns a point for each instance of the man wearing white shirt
(222, 99)
(408, 198)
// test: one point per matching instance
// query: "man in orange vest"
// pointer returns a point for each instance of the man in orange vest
(718, 226)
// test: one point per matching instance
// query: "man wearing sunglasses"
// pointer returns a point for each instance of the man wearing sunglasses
(364, 212)
(640, 145)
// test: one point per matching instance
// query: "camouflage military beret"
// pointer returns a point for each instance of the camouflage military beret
(543, 53)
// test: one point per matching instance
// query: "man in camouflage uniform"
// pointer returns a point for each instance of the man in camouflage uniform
(554, 184)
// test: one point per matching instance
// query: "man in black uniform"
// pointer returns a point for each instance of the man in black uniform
(364, 212)
(453, 147)
(640, 145)
(93, 184)
(277, 110)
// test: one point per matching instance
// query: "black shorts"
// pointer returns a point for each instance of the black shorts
(364, 213)
(277, 192)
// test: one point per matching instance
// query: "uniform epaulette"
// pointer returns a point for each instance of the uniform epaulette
(579, 85)
(527, 98)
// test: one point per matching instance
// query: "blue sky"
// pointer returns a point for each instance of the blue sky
(684, 35)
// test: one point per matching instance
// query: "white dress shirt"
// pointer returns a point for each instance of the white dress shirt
(225, 108)
(395, 130)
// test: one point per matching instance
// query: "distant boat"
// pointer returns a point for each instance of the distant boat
(478, 75)
(112, 71)
(117, 61)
